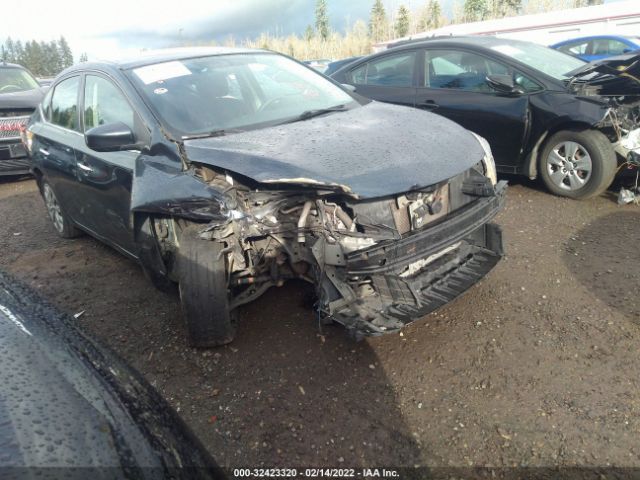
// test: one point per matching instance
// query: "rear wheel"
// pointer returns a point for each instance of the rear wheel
(578, 164)
(61, 223)
(204, 292)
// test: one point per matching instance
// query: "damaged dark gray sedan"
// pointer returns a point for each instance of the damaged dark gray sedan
(232, 171)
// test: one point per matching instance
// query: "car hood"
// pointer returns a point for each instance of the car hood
(67, 402)
(619, 75)
(21, 100)
(372, 151)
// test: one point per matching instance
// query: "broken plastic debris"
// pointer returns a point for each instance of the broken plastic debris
(626, 196)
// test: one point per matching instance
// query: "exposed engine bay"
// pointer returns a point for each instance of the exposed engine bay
(361, 255)
(617, 82)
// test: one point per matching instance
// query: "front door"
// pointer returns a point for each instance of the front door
(453, 84)
(105, 178)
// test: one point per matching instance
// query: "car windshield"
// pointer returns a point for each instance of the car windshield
(16, 80)
(235, 92)
(547, 60)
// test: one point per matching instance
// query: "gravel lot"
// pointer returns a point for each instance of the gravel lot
(537, 365)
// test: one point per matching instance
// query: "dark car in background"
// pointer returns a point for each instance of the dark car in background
(319, 64)
(338, 64)
(545, 114)
(73, 409)
(598, 47)
(20, 94)
(232, 171)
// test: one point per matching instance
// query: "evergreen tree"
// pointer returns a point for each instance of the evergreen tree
(66, 56)
(378, 22)
(475, 10)
(322, 19)
(18, 52)
(503, 8)
(434, 12)
(10, 50)
(402, 22)
(41, 58)
(309, 33)
(83, 57)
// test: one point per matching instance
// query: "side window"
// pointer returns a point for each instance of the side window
(46, 105)
(574, 49)
(388, 71)
(453, 69)
(64, 104)
(104, 103)
(609, 46)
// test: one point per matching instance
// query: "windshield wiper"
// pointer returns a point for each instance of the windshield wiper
(214, 133)
(307, 114)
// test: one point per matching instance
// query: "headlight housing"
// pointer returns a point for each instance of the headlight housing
(26, 136)
(488, 161)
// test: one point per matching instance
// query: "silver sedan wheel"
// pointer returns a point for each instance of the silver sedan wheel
(569, 165)
(53, 207)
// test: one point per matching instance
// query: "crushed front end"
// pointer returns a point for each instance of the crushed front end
(377, 264)
(615, 81)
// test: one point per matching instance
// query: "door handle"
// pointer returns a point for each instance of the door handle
(428, 104)
(84, 167)
(44, 152)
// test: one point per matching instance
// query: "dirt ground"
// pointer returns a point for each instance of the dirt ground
(535, 366)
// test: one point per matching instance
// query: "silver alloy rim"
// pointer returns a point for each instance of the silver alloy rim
(569, 166)
(53, 208)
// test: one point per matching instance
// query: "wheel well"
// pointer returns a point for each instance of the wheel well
(531, 164)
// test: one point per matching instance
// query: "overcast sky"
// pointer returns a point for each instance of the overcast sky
(110, 28)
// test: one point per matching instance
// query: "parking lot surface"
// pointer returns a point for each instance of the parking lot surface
(537, 365)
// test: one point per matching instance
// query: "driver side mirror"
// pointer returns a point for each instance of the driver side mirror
(503, 84)
(110, 137)
(349, 87)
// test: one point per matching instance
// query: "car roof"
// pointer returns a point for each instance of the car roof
(4, 64)
(486, 41)
(635, 38)
(151, 57)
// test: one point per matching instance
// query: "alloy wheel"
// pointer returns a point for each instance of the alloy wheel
(53, 207)
(569, 165)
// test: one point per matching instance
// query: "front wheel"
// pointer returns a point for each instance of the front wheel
(578, 164)
(204, 292)
(61, 223)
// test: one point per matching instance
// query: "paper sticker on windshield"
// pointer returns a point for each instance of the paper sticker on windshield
(506, 49)
(161, 71)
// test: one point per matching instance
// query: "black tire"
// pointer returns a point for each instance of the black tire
(61, 222)
(204, 292)
(602, 158)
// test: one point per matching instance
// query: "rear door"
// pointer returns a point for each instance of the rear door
(56, 140)
(608, 47)
(390, 78)
(453, 84)
(105, 178)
